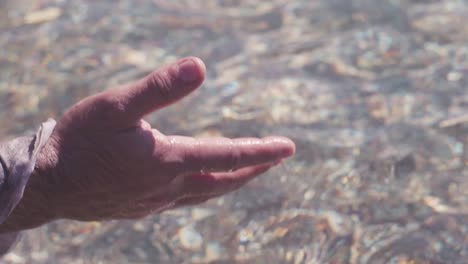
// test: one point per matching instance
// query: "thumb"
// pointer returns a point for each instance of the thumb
(160, 88)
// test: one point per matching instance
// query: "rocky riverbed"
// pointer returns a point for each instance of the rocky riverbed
(373, 92)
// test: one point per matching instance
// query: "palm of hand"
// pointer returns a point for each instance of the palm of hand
(104, 162)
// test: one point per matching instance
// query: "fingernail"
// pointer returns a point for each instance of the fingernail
(188, 71)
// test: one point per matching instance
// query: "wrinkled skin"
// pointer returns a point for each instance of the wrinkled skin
(104, 161)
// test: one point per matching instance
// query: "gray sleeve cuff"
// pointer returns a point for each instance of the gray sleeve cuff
(17, 161)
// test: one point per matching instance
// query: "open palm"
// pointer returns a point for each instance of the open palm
(104, 161)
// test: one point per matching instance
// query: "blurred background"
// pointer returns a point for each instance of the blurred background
(373, 92)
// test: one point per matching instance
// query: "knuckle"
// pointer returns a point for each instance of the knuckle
(186, 154)
(160, 84)
(164, 146)
(169, 155)
(108, 106)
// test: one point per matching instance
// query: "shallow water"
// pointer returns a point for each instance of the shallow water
(374, 93)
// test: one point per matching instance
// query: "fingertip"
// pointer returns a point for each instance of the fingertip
(285, 146)
(191, 70)
(200, 64)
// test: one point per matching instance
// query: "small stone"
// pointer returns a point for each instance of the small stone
(14, 258)
(245, 237)
(138, 226)
(190, 238)
(309, 195)
(405, 166)
(201, 213)
(213, 251)
(454, 76)
(43, 15)
(135, 57)
(337, 223)
(299, 257)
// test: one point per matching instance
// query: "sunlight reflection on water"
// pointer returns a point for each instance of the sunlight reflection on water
(372, 92)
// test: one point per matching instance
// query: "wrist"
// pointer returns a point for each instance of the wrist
(35, 207)
(32, 211)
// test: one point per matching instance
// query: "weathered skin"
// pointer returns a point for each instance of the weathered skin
(103, 161)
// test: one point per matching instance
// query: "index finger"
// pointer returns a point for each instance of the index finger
(224, 154)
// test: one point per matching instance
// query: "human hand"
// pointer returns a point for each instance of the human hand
(103, 161)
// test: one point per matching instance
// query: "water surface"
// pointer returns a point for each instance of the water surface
(374, 93)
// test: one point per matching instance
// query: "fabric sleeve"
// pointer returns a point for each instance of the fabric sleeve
(17, 161)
